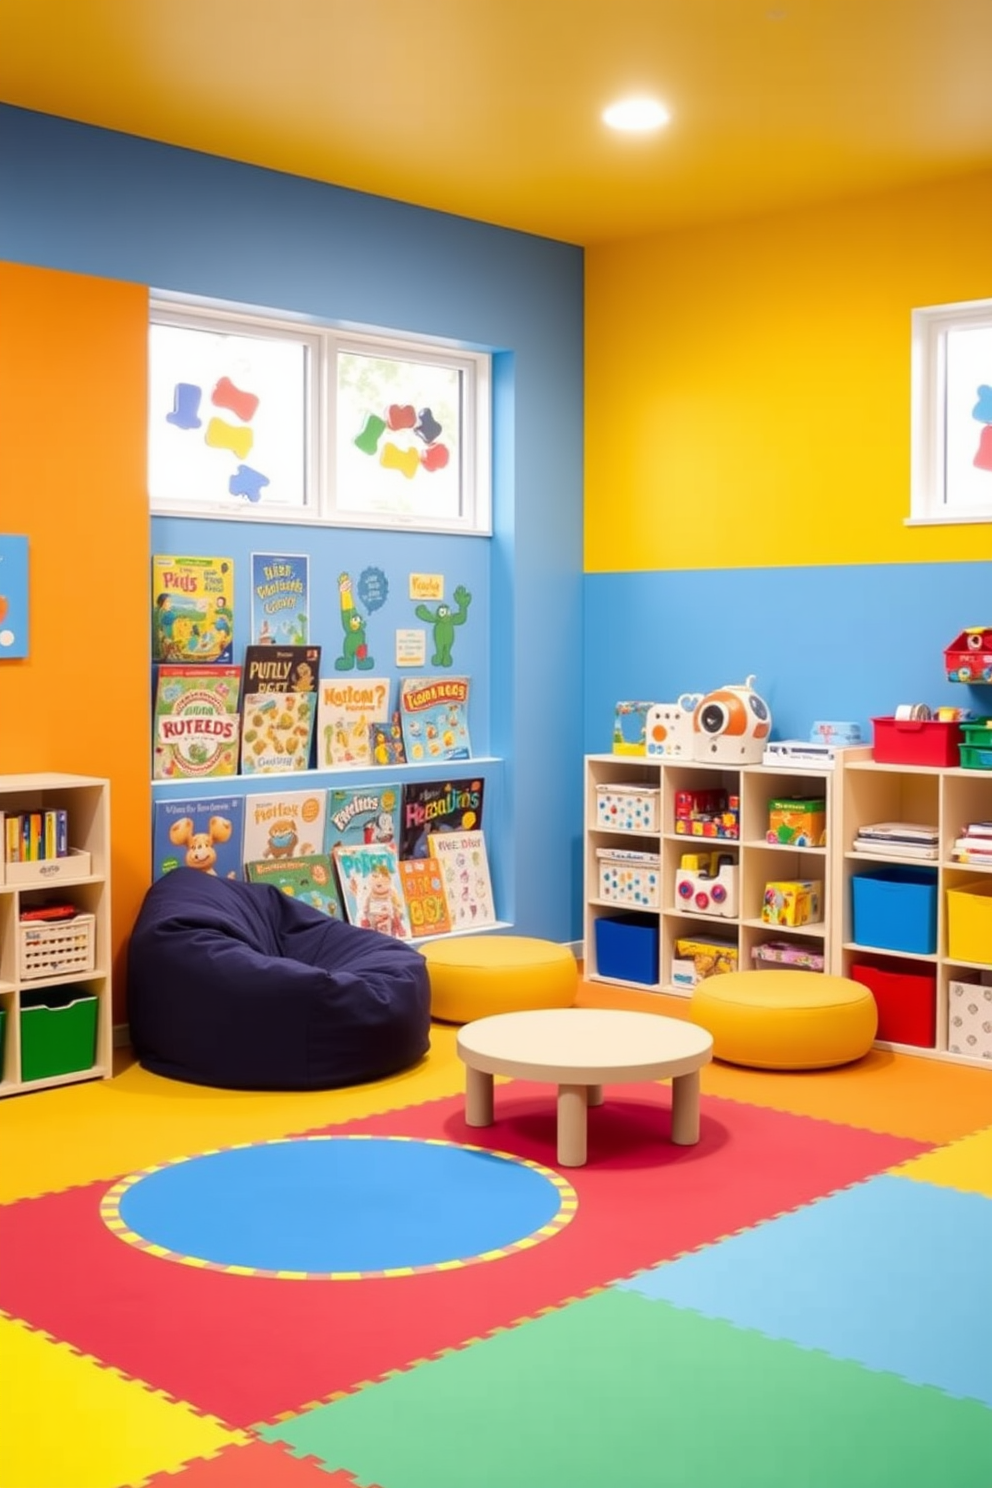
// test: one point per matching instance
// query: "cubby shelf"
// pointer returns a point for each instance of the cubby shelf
(87, 803)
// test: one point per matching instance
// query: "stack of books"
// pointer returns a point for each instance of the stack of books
(898, 840)
(974, 846)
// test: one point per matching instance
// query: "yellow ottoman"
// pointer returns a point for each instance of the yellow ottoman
(787, 1020)
(474, 976)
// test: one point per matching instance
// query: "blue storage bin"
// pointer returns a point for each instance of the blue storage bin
(627, 948)
(895, 909)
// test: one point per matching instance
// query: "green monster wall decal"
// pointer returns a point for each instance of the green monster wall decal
(444, 623)
(354, 649)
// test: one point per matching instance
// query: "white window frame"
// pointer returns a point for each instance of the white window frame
(319, 505)
(930, 501)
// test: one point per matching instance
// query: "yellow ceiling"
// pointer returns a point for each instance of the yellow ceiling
(490, 108)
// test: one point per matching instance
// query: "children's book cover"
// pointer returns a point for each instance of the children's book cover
(280, 599)
(310, 879)
(13, 596)
(346, 710)
(438, 806)
(386, 742)
(281, 669)
(362, 814)
(370, 888)
(434, 714)
(423, 891)
(192, 609)
(465, 871)
(284, 824)
(196, 722)
(205, 833)
(277, 728)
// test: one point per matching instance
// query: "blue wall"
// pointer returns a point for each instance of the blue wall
(94, 202)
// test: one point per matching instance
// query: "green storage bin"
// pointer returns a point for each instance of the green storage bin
(58, 1032)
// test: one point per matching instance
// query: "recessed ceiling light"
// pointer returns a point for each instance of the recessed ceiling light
(636, 114)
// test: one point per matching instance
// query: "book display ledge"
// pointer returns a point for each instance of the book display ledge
(55, 979)
(916, 930)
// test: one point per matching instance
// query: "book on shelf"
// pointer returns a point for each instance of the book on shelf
(465, 872)
(284, 824)
(204, 833)
(975, 849)
(346, 712)
(368, 875)
(386, 742)
(280, 599)
(192, 609)
(978, 829)
(196, 721)
(281, 669)
(891, 849)
(423, 891)
(434, 717)
(276, 732)
(362, 814)
(310, 879)
(34, 836)
(898, 831)
(450, 805)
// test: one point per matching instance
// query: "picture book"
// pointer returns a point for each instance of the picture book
(192, 609)
(280, 602)
(386, 742)
(438, 806)
(205, 833)
(281, 669)
(346, 710)
(277, 728)
(310, 879)
(196, 722)
(434, 716)
(362, 814)
(423, 891)
(284, 824)
(370, 888)
(465, 872)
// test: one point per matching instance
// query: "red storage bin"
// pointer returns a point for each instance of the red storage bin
(906, 1001)
(916, 741)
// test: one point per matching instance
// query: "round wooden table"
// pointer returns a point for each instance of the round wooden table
(581, 1050)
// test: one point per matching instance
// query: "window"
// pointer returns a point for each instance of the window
(255, 418)
(952, 413)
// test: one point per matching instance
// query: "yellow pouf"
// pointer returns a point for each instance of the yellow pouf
(785, 1020)
(475, 976)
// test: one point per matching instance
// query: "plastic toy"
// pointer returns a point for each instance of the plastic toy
(731, 725)
(792, 902)
(669, 731)
(707, 813)
(969, 656)
(797, 822)
(706, 884)
(629, 728)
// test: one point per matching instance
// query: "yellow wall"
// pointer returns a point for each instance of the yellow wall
(748, 384)
(73, 415)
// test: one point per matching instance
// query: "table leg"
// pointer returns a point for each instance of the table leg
(478, 1097)
(572, 1125)
(594, 1096)
(685, 1109)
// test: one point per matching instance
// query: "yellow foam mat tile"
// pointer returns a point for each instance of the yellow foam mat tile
(903, 1095)
(965, 1165)
(69, 1423)
(138, 1119)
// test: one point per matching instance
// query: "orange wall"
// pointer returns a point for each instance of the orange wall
(73, 415)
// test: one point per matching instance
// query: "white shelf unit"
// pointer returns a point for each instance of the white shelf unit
(82, 879)
(758, 861)
(948, 798)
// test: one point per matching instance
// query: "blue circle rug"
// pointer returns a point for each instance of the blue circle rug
(339, 1208)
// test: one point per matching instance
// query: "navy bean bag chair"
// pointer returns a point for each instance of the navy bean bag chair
(239, 985)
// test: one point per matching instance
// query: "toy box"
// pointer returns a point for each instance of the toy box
(700, 956)
(626, 808)
(629, 728)
(969, 1018)
(969, 656)
(707, 813)
(906, 998)
(797, 821)
(782, 954)
(631, 878)
(976, 751)
(895, 909)
(793, 902)
(916, 741)
(58, 1032)
(706, 884)
(627, 948)
(969, 922)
